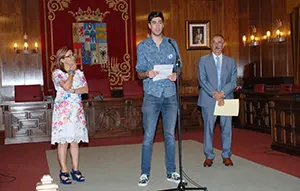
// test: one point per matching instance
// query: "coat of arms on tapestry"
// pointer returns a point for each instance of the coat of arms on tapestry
(90, 43)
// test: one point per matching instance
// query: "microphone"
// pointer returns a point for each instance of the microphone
(178, 61)
(170, 41)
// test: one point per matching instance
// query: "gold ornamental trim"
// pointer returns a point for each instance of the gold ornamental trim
(89, 15)
(56, 5)
(119, 72)
(124, 73)
(119, 5)
(131, 42)
(53, 6)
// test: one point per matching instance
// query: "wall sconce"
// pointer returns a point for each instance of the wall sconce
(267, 36)
(254, 40)
(244, 38)
(26, 49)
(278, 36)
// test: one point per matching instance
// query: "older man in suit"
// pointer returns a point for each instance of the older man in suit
(217, 78)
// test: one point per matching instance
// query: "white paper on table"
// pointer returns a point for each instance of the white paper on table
(164, 71)
(230, 108)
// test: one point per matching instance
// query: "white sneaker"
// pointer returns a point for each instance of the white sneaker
(144, 180)
(174, 177)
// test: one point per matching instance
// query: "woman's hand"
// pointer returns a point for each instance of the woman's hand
(73, 66)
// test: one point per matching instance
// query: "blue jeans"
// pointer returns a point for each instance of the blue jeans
(152, 106)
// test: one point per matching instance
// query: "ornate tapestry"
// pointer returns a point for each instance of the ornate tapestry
(101, 33)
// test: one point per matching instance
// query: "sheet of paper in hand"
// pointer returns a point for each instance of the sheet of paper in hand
(230, 108)
(164, 71)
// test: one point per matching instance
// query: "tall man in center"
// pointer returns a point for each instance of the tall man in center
(159, 96)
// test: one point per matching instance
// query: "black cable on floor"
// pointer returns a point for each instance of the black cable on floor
(188, 179)
(12, 178)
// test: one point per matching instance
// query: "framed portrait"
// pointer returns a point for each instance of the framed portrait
(198, 35)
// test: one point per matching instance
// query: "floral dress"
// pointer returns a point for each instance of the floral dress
(68, 119)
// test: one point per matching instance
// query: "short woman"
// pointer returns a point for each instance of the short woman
(68, 120)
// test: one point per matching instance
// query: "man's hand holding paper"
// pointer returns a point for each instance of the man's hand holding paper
(172, 77)
(229, 108)
(221, 102)
(218, 95)
(152, 73)
(163, 71)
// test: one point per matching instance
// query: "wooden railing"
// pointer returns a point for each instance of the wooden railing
(274, 113)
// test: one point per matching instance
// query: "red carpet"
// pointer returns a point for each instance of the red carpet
(27, 162)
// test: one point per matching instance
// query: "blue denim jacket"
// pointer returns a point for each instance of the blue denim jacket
(149, 55)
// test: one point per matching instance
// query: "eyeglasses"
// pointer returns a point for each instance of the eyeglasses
(68, 56)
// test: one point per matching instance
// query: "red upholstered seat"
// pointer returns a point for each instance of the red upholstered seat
(94, 72)
(259, 88)
(99, 87)
(27, 93)
(286, 88)
(132, 89)
(297, 88)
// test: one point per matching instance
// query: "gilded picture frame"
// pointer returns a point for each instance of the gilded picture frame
(198, 35)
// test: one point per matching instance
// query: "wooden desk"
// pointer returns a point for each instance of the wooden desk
(27, 121)
(110, 117)
(115, 117)
(286, 124)
(255, 111)
(274, 113)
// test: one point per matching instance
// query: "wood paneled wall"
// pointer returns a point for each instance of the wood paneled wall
(268, 59)
(16, 18)
(223, 15)
(232, 18)
(291, 4)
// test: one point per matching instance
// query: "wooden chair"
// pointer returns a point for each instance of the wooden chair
(296, 88)
(28, 93)
(286, 88)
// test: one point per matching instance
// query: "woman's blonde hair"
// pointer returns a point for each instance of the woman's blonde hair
(60, 54)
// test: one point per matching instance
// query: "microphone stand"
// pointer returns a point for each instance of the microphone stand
(181, 185)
